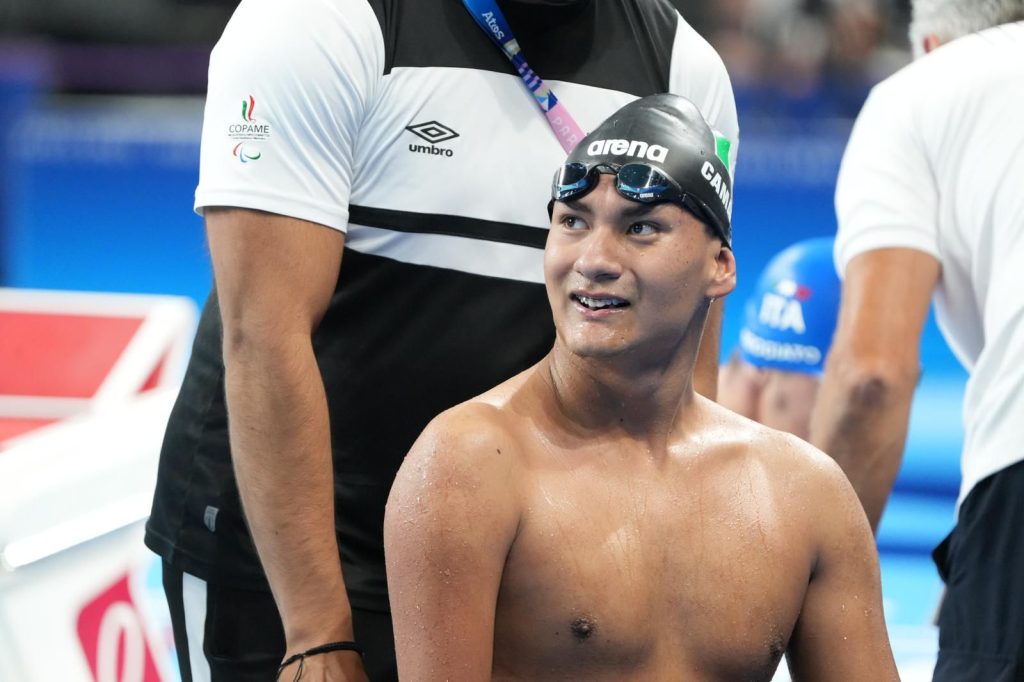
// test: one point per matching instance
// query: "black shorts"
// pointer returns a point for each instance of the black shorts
(242, 639)
(981, 622)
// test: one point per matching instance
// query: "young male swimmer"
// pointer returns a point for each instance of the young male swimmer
(595, 519)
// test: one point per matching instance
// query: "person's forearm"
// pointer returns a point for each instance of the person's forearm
(705, 371)
(860, 419)
(280, 441)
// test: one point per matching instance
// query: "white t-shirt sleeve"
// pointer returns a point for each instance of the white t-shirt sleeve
(885, 194)
(698, 73)
(289, 85)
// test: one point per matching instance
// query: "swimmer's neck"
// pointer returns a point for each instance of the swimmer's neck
(604, 395)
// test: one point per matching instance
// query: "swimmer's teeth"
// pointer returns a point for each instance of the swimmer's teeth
(598, 303)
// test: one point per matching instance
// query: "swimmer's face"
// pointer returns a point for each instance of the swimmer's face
(622, 275)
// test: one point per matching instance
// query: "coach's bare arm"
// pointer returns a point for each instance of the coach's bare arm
(840, 634)
(863, 406)
(274, 279)
(450, 521)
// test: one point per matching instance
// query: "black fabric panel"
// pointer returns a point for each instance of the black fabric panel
(387, 12)
(981, 621)
(243, 638)
(456, 226)
(435, 347)
(585, 43)
(457, 335)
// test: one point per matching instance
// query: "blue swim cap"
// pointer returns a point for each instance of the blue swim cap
(790, 318)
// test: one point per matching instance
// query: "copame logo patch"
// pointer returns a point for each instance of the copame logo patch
(249, 128)
(636, 148)
(248, 132)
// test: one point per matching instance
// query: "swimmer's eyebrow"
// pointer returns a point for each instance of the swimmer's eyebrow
(633, 210)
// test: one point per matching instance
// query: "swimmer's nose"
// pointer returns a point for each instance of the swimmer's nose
(598, 259)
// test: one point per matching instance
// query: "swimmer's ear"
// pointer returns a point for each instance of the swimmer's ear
(723, 280)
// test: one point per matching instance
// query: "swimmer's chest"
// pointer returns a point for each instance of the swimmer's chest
(643, 579)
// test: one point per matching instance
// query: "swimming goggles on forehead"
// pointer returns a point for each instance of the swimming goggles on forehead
(638, 182)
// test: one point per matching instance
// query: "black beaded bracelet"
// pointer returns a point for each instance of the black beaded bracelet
(322, 649)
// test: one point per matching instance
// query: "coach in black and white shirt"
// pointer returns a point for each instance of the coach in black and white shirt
(392, 138)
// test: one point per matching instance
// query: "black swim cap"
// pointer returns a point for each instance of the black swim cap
(668, 133)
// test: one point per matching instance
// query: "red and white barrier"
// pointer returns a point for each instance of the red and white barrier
(86, 384)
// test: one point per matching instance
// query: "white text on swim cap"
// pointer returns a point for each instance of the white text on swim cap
(779, 312)
(637, 148)
(716, 181)
(794, 353)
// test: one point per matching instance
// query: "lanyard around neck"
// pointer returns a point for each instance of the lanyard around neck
(493, 23)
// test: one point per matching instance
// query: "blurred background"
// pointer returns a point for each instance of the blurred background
(100, 117)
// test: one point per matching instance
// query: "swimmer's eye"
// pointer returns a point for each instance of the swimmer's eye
(571, 222)
(642, 229)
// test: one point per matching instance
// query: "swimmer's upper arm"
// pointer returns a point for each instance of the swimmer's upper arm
(451, 518)
(840, 634)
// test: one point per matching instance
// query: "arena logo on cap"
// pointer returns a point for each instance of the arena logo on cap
(781, 309)
(635, 148)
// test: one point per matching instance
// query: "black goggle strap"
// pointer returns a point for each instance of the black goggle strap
(698, 209)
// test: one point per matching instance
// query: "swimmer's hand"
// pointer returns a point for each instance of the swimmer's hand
(336, 666)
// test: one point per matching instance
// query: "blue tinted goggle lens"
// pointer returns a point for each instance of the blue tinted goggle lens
(571, 180)
(643, 183)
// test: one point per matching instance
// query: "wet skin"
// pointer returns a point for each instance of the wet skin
(595, 519)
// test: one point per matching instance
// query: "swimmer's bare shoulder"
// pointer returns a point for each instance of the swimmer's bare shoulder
(810, 475)
(451, 518)
(840, 633)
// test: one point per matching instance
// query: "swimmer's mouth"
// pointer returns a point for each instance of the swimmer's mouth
(599, 302)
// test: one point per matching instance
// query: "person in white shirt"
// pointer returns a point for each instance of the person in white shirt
(930, 202)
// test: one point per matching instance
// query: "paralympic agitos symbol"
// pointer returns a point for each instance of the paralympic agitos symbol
(244, 156)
